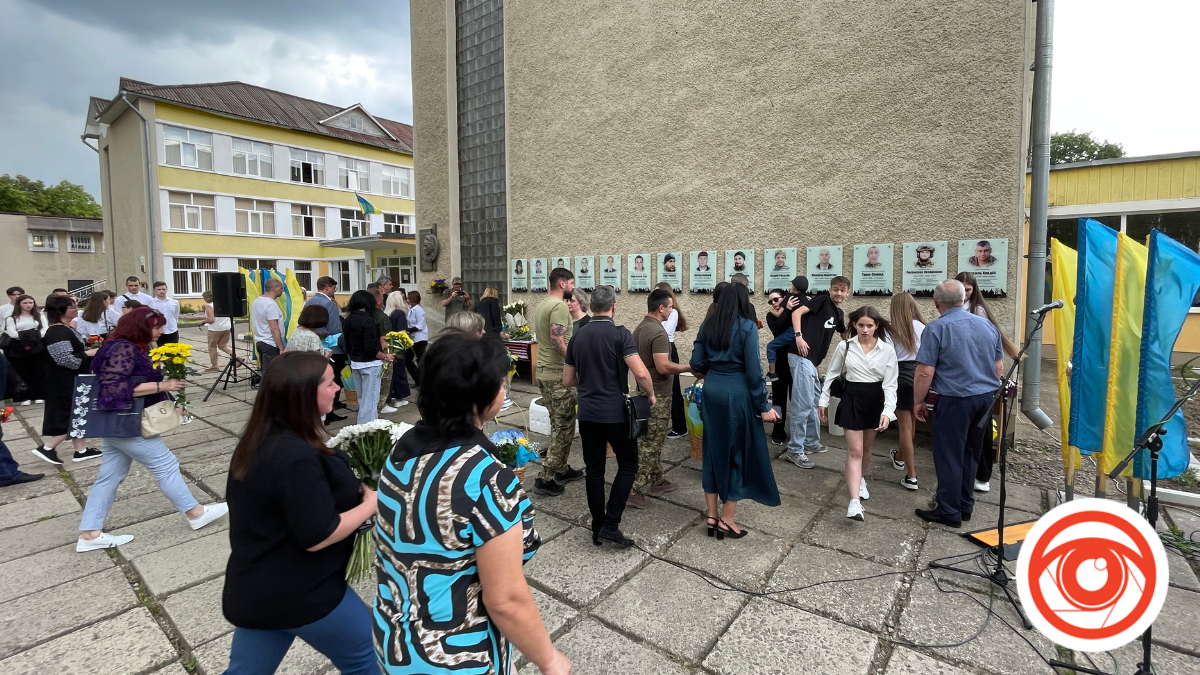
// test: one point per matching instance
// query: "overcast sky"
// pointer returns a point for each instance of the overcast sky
(1125, 71)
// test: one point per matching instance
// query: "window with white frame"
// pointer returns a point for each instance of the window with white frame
(307, 167)
(186, 147)
(251, 158)
(192, 276)
(395, 223)
(254, 216)
(304, 270)
(43, 241)
(81, 243)
(256, 263)
(308, 221)
(340, 271)
(354, 174)
(356, 122)
(354, 224)
(190, 211)
(397, 181)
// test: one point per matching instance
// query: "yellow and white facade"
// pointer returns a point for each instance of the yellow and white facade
(234, 184)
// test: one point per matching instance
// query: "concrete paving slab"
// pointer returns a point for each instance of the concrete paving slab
(654, 527)
(834, 460)
(1176, 623)
(691, 488)
(148, 506)
(865, 603)
(55, 611)
(579, 571)
(571, 505)
(1028, 498)
(889, 500)
(216, 443)
(672, 609)
(548, 526)
(555, 614)
(771, 638)
(785, 521)
(1162, 659)
(232, 422)
(196, 612)
(213, 658)
(215, 484)
(47, 569)
(38, 508)
(1182, 574)
(36, 537)
(173, 669)
(597, 650)
(886, 541)
(189, 437)
(745, 563)
(960, 552)
(164, 532)
(812, 484)
(908, 662)
(207, 466)
(676, 450)
(174, 568)
(129, 643)
(46, 486)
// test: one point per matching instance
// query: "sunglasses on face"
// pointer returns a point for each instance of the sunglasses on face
(775, 300)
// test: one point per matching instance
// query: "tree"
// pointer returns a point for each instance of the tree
(29, 196)
(1081, 147)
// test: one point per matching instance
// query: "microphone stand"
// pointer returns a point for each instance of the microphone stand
(999, 574)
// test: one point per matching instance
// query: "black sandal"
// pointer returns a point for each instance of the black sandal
(724, 530)
(711, 521)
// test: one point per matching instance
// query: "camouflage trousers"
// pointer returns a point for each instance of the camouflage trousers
(560, 403)
(385, 385)
(650, 446)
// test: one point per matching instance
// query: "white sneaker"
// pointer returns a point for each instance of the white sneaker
(984, 486)
(855, 512)
(508, 403)
(26, 402)
(211, 513)
(105, 540)
(401, 404)
(863, 492)
(387, 410)
(909, 483)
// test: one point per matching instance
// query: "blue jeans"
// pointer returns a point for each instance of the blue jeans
(343, 636)
(957, 443)
(119, 455)
(782, 340)
(8, 465)
(366, 385)
(805, 426)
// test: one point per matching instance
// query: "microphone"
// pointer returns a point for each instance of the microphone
(1057, 304)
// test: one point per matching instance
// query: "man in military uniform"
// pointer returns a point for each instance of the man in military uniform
(552, 321)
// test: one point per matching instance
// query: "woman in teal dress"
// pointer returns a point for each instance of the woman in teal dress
(734, 406)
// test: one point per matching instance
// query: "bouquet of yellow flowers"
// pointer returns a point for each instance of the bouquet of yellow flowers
(172, 360)
(398, 341)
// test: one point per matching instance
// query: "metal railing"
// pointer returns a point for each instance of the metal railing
(86, 291)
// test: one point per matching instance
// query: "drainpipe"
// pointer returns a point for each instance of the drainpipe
(83, 137)
(149, 185)
(1035, 280)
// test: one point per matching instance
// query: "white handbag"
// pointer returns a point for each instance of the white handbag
(159, 418)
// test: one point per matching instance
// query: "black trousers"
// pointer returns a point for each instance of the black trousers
(266, 352)
(339, 362)
(678, 418)
(412, 360)
(781, 394)
(988, 457)
(595, 437)
(957, 441)
(168, 338)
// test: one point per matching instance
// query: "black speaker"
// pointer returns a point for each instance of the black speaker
(229, 294)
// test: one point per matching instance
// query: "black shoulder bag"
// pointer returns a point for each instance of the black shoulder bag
(838, 386)
(637, 407)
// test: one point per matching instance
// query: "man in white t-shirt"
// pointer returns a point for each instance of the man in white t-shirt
(6, 309)
(169, 308)
(133, 288)
(266, 320)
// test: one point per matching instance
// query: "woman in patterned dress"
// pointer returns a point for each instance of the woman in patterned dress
(454, 527)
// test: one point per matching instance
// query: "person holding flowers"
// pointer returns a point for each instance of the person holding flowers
(453, 529)
(294, 506)
(397, 311)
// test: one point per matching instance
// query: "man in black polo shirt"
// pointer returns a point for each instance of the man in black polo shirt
(595, 364)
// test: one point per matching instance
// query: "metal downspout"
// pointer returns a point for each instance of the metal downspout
(149, 185)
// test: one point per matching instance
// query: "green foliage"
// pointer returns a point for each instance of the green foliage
(29, 196)
(1188, 478)
(1081, 147)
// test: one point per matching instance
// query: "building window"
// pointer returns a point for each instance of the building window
(43, 241)
(188, 148)
(354, 174)
(191, 211)
(256, 264)
(354, 224)
(303, 270)
(307, 167)
(81, 243)
(193, 276)
(402, 270)
(340, 271)
(356, 122)
(394, 223)
(308, 221)
(397, 181)
(252, 159)
(254, 216)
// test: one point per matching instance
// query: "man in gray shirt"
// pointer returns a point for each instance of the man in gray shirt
(961, 358)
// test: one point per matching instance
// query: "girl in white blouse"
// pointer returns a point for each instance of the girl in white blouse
(95, 318)
(869, 402)
(904, 335)
(31, 368)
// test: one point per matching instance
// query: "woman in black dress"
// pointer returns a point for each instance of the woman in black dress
(397, 311)
(489, 309)
(67, 357)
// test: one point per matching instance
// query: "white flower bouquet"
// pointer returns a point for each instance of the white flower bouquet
(515, 323)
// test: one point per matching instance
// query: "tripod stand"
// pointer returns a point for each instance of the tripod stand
(230, 375)
(999, 575)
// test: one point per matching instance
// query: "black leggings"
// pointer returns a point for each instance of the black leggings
(412, 360)
(678, 419)
(595, 437)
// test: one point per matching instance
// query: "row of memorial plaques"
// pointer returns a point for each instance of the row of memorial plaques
(923, 264)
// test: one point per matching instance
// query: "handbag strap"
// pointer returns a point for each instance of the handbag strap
(622, 369)
(845, 356)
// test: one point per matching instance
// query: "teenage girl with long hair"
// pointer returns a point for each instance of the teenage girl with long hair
(26, 355)
(96, 319)
(904, 334)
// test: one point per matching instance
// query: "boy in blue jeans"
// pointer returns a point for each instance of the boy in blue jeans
(800, 292)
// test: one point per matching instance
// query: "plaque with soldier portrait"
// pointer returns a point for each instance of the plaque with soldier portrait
(873, 269)
(585, 273)
(539, 275)
(610, 270)
(740, 261)
(824, 263)
(670, 270)
(638, 275)
(924, 265)
(779, 267)
(519, 276)
(987, 259)
(702, 271)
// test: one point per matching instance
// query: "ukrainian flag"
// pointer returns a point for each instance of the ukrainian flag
(291, 302)
(1172, 281)
(1063, 262)
(366, 206)
(1092, 334)
(1129, 296)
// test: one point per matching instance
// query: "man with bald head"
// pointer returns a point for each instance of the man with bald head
(266, 320)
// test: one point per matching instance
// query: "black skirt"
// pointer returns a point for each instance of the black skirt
(861, 406)
(904, 386)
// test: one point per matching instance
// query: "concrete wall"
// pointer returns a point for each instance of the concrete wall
(40, 272)
(123, 183)
(652, 126)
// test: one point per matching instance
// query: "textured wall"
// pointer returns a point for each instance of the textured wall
(430, 143)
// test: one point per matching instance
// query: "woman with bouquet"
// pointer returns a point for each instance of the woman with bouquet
(476, 529)
(294, 507)
(397, 310)
(69, 356)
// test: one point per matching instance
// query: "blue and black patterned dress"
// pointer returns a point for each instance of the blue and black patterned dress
(440, 500)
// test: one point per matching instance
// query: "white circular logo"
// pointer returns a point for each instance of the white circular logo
(1092, 575)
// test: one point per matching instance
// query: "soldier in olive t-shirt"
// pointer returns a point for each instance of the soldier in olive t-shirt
(549, 312)
(552, 323)
(651, 339)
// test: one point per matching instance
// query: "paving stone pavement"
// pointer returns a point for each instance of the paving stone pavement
(154, 606)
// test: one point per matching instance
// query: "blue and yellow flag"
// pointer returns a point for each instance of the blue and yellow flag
(291, 302)
(1093, 332)
(253, 289)
(366, 206)
(1172, 281)
(1128, 298)
(1062, 266)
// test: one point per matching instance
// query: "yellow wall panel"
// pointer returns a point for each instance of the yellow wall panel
(188, 179)
(249, 246)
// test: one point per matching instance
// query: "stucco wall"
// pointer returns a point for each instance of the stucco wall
(126, 217)
(40, 272)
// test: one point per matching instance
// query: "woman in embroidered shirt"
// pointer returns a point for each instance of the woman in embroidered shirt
(118, 362)
(452, 529)
(23, 355)
(869, 402)
(96, 319)
(68, 357)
